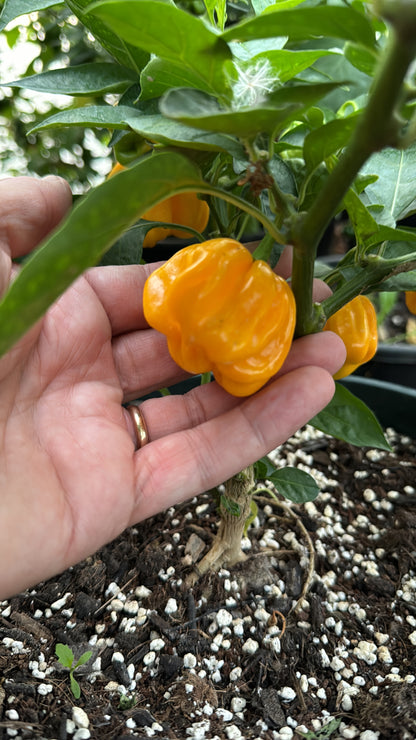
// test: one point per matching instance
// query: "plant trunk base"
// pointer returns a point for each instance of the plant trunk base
(235, 508)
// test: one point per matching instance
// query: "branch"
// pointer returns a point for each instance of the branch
(376, 128)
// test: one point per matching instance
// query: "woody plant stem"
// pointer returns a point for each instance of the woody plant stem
(226, 548)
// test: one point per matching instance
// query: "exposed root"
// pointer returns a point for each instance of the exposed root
(311, 566)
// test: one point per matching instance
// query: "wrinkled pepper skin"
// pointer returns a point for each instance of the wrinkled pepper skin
(185, 209)
(410, 298)
(356, 324)
(222, 312)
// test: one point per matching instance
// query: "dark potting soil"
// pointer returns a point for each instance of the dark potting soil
(271, 649)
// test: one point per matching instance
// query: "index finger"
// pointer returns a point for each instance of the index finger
(29, 209)
(178, 466)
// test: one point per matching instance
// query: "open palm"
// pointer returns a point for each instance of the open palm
(71, 479)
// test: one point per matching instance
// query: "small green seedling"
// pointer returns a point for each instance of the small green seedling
(67, 660)
(324, 733)
(127, 702)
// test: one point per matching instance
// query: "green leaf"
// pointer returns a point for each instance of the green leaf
(160, 75)
(128, 249)
(327, 140)
(387, 233)
(401, 282)
(361, 57)
(295, 485)
(230, 506)
(305, 23)
(101, 116)
(248, 50)
(75, 687)
(364, 225)
(170, 33)
(282, 174)
(15, 8)
(324, 733)
(263, 468)
(195, 108)
(93, 225)
(129, 56)
(280, 4)
(349, 419)
(260, 5)
(164, 131)
(84, 658)
(285, 64)
(217, 12)
(65, 655)
(395, 186)
(84, 79)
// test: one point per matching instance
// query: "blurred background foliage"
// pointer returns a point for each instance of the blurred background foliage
(34, 43)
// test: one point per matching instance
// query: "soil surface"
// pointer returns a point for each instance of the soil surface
(273, 649)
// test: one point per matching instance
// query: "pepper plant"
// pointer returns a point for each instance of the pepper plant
(277, 114)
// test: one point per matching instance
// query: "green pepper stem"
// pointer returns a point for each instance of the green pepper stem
(376, 128)
(379, 270)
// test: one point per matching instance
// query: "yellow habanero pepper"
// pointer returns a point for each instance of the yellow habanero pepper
(410, 297)
(185, 209)
(356, 324)
(223, 312)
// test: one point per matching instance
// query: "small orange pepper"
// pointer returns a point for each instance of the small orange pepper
(184, 208)
(410, 298)
(356, 324)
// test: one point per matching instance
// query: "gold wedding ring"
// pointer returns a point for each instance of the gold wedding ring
(139, 424)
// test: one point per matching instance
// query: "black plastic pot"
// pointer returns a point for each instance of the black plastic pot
(394, 363)
(394, 405)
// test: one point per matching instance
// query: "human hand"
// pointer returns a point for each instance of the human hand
(71, 479)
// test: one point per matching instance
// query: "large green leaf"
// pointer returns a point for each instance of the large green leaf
(170, 33)
(101, 116)
(128, 55)
(84, 79)
(349, 419)
(305, 23)
(88, 232)
(155, 127)
(14, 8)
(395, 186)
(194, 108)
